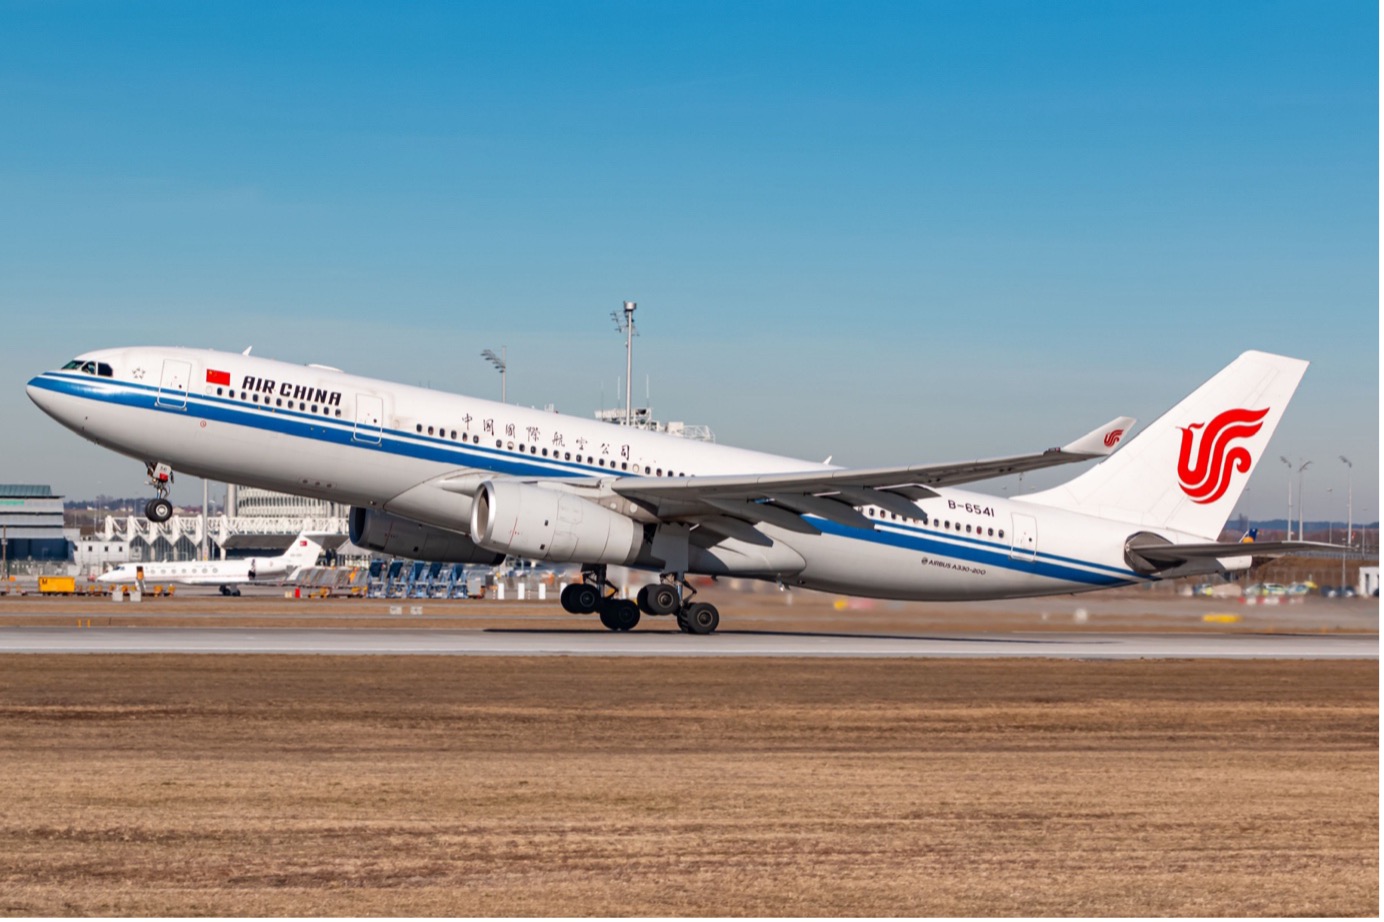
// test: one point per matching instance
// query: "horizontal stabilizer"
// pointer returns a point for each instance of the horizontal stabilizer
(1173, 553)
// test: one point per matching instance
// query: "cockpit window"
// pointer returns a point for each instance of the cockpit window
(90, 368)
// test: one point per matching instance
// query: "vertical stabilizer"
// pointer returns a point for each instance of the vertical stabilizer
(1187, 470)
(303, 552)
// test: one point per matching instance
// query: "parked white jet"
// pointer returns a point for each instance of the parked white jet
(227, 574)
(447, 477)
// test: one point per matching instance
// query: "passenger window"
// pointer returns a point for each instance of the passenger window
(567, 456)
(418, 428)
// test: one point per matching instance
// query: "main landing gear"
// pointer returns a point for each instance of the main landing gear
(672, 596)
(159, 509)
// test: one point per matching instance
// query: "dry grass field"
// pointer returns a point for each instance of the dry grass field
(276, 785)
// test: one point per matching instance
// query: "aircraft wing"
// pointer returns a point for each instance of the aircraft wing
(782, 499)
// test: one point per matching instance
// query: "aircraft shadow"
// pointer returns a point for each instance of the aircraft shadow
(830, 635)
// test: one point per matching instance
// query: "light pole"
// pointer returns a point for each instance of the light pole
(1302, 535)
(1350, 500)
(1289, 526)
(625, 324)
(499, 362)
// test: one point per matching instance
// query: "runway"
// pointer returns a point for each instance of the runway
(774, 644)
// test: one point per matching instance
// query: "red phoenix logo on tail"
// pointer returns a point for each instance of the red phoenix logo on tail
(1206, 477)
(1113, 436)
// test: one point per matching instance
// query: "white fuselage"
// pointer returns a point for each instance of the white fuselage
(320, 432)
(202, 572)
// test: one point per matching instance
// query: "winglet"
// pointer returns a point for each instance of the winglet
(1101, 441)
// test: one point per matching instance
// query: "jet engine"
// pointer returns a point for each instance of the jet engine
(390, 534)
(534, 522)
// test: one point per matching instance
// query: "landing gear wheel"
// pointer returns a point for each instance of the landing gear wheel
(619, 614)
(580, 598)
(658, 600)
(158, 510)
(699, 618)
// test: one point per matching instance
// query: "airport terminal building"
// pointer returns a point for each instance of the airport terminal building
(31, 526)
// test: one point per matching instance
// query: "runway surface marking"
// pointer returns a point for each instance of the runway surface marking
(511, 642)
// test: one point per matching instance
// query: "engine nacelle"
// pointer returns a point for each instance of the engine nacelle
(529, 521)
(390, 534)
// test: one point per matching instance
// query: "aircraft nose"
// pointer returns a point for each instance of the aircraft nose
(38, 393)
(48, 400)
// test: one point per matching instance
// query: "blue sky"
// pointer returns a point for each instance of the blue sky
(886, 232)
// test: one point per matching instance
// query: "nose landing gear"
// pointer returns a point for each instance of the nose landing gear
(159, 509)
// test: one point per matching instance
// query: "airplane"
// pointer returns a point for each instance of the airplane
(438, 476)
(228, 574)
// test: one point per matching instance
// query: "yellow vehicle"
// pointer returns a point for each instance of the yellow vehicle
(57, 585)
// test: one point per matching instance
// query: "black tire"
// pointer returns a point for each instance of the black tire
(158, 510)
(235, 593)
(568, 599)
(663, 599)
(585, 598)
(701, 618)
(619, 614)
(642, 600)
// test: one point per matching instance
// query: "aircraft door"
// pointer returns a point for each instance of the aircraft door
(173, 384)
(1025, 538)
(369, 419)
